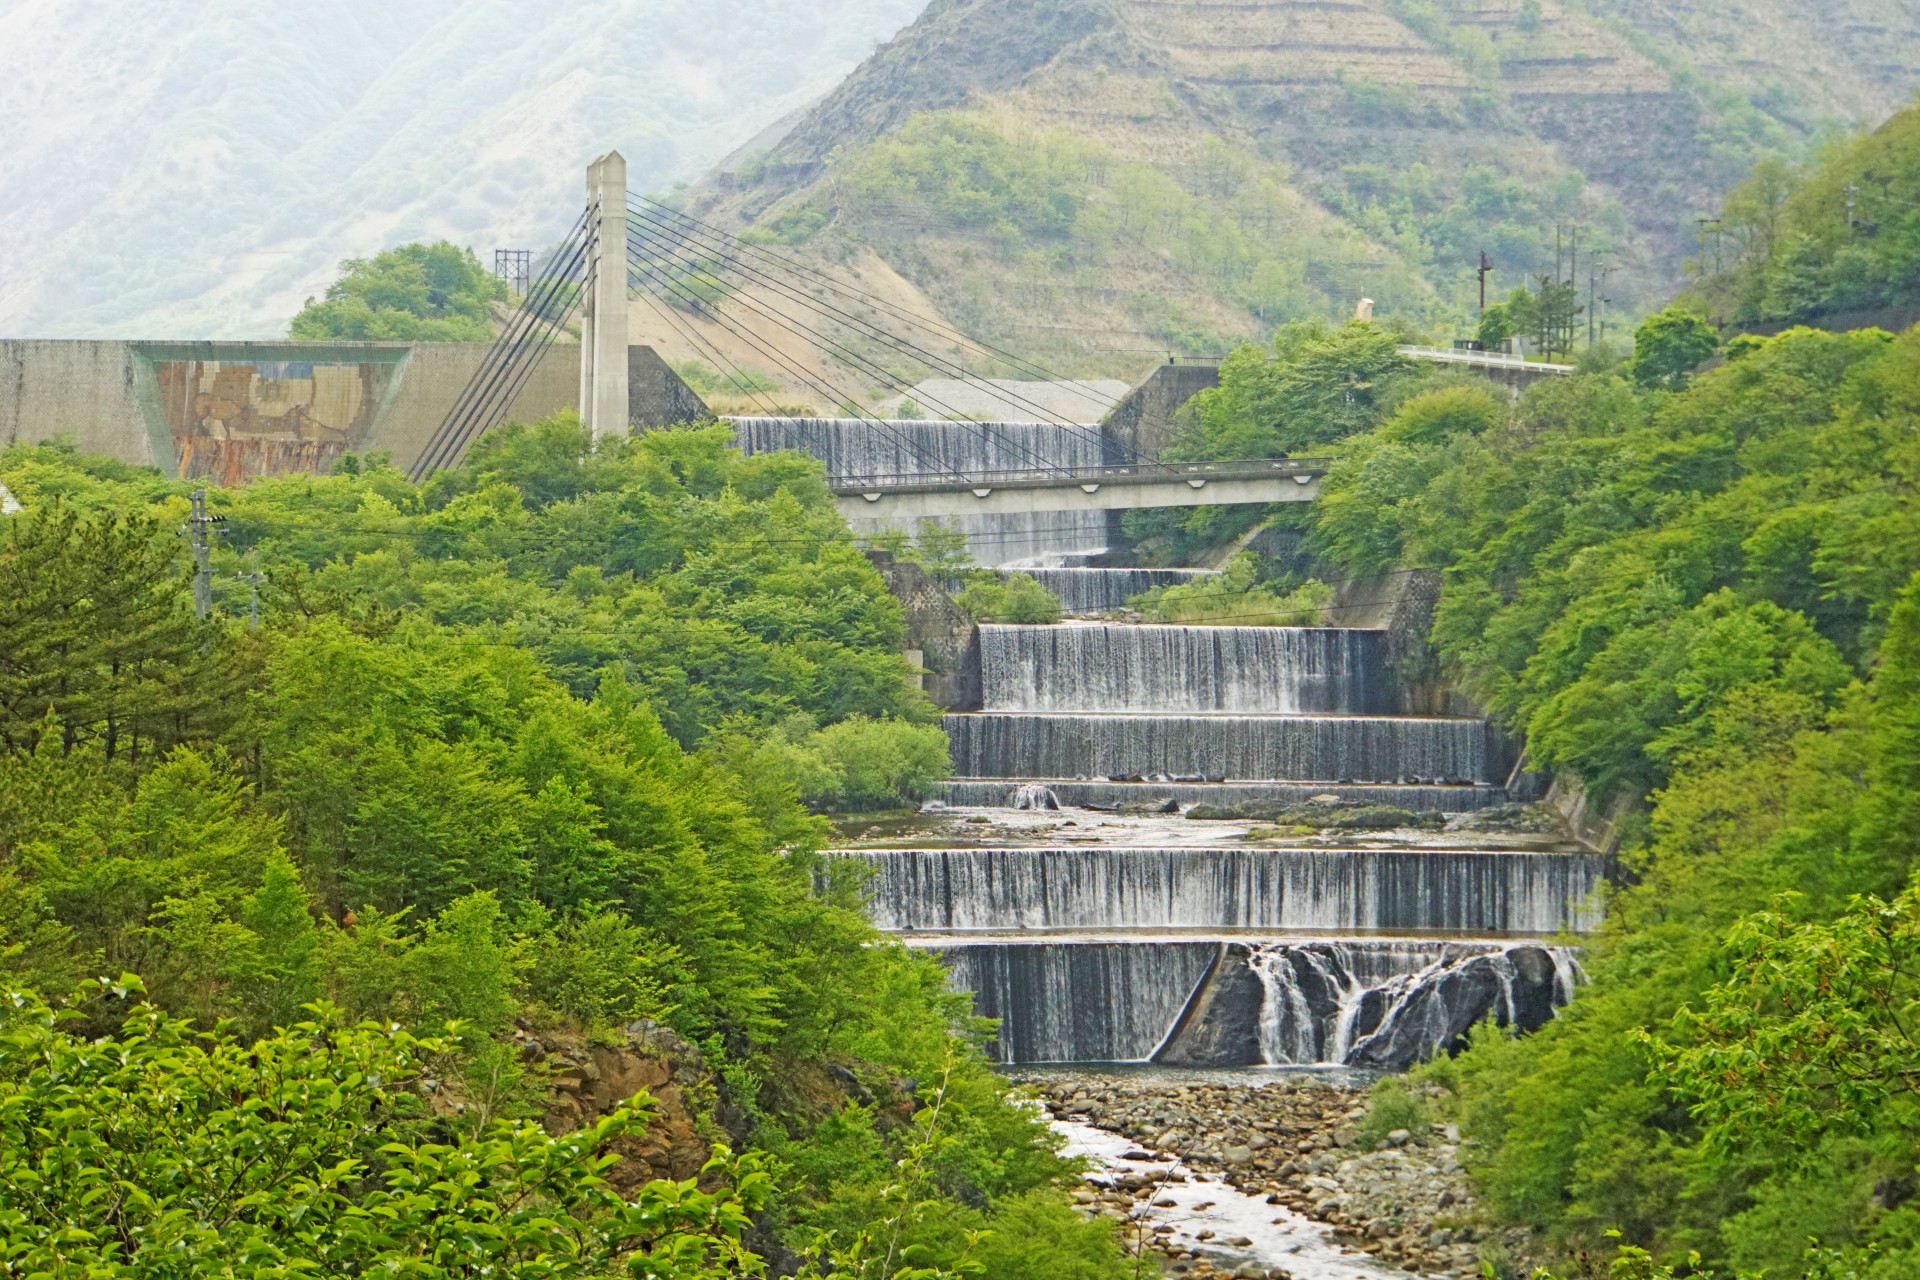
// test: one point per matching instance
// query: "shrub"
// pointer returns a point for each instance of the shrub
(1018, 598)
(1393, 1106)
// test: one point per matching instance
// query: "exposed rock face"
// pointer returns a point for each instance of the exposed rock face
(590, 1080)
(1221, 1027)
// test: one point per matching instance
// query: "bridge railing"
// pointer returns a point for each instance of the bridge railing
(1491, 359)
(1053, 477)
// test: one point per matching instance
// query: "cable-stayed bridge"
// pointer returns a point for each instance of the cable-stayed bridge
(624, 248)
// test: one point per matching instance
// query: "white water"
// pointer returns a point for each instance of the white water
(1389, 749)
(1091, 591)
(857, 447)
(1207, 1202)
(1364, 1002)
(1138, 669)
(1481, 892)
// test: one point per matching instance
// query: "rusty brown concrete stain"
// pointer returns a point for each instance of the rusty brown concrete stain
(233, 422)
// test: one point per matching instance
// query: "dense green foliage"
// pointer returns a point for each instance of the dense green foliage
(1702, 596)
(170, 1152)
(527, 743)
(1236, 596)
(1017, 597)
(1842, 234)
(415, 293)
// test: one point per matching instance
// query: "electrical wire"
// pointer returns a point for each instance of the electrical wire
(650, 272)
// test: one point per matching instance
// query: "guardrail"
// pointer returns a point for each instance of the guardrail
(1194, 473)
(1493, 359)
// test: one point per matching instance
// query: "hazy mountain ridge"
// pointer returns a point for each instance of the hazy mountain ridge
(243, 150)
(1394, 139)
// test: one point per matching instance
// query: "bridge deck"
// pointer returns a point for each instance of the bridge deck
(1107, 488)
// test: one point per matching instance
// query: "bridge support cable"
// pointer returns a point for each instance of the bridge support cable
(650, 272)
(928, 324)
(646, 242)
(665, 234)
(476, 397)
(517, 361)
(741, 383)
(731, 253)
(481, 403)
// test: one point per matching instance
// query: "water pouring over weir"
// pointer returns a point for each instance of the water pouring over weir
(1191, 955)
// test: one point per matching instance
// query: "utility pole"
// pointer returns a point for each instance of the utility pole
(1853, 192)
(200, 534)
(1486, 269)
(253, 579)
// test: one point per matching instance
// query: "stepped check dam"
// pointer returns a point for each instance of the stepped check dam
(1087, 876)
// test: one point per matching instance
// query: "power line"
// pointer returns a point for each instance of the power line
(699, 305)
(479, 403)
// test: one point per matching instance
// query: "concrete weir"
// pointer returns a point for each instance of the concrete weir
(1062, 884)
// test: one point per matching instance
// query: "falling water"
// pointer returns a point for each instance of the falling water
(1371, 1003)
(1000, 792)
(1112, 715)
(1089, 591)
(1395, 749)
(1054, 889)
(853, 448)
(1136, 669)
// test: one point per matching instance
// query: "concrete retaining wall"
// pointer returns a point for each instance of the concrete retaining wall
(231, 411)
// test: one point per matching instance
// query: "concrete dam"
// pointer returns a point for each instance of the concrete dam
(1061, 883)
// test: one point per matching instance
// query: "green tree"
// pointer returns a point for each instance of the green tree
(1669, 345)
(416, 293)
(169, 1151)
(97, 632)
(1497, 325)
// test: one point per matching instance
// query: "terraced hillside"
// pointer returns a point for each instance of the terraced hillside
(1095, 180)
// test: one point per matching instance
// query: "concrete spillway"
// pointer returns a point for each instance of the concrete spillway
(1390, 749)
(1085, 591)
(1152, 949)
(1322, 890)
(1138, 669)
(1201, 1002)
(859, 447)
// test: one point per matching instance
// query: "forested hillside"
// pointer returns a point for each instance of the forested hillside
(1095, 180)
(1836, 239)
(517, 753)
(1704, 595)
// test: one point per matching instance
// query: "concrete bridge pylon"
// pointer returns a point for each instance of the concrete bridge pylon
(603, 307)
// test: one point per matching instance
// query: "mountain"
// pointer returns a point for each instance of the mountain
(1095, 180)
(198, 167)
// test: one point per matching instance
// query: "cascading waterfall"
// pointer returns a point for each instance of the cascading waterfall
(1393, 749)
(1384, 1004)
(1108, 889)
(1138, 669)
(1257, 956)
(1084, 592)
(1074, 1002)
(994, 793)
(855, 447)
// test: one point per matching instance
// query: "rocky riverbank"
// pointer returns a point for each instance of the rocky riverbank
(1294, 1141)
